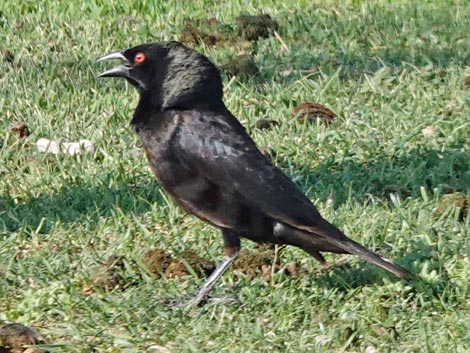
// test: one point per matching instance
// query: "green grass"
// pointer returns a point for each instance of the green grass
(388, 69)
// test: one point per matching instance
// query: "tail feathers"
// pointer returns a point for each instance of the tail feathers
(326, 237)
(368, 255)
(354, 248)
(332, 235)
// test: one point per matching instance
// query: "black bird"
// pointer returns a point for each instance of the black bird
(204, 158)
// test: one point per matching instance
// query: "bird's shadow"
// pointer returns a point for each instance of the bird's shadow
(347, 278)
(405, 175)
(76, 204)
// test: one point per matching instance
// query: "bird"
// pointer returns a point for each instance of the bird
(204, 158)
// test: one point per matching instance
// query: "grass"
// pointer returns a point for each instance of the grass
(388, 69)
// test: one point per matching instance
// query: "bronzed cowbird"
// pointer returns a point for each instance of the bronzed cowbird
(203, 157)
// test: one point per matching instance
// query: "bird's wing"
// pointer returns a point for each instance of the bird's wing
(220, 149)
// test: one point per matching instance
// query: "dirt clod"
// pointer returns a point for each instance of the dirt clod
(254, 27)
(208, 31)
(313, 112)
(459, 200)
(242, 66)
(211, 32)
(466, 81)
(8, 56)
(20, 129)
(268, 152)
(452, 108)
(253, 263)
(159, 263)
(292, 269)
(107, 276)
(264, 124)
(16, 336)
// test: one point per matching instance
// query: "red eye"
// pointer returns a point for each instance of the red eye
(139, 58)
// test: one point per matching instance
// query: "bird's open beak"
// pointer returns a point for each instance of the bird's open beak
(118, 71)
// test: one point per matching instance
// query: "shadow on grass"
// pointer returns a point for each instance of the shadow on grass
(405, 175)
(448, 171)
(348, 275)
(345, 275)
(384, 36)
(77, 203)
(346, 42)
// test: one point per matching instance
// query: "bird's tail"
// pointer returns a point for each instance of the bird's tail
(351, 247)
(330, 239)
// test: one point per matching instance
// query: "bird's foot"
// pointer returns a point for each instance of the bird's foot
(203, 292)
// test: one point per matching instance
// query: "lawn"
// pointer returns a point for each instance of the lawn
(392, 170)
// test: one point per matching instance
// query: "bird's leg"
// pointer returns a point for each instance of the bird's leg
(232, 247)
(211, 280)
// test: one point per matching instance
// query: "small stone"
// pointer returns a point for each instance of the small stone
(72, 148)
(429, 131)
(285, 73)
(46, 145)
(158, 349)
(370, 349)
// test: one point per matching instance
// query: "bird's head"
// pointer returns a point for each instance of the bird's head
(168, 75)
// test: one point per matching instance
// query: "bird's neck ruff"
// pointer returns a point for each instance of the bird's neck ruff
(183, 80)
(190, 78)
